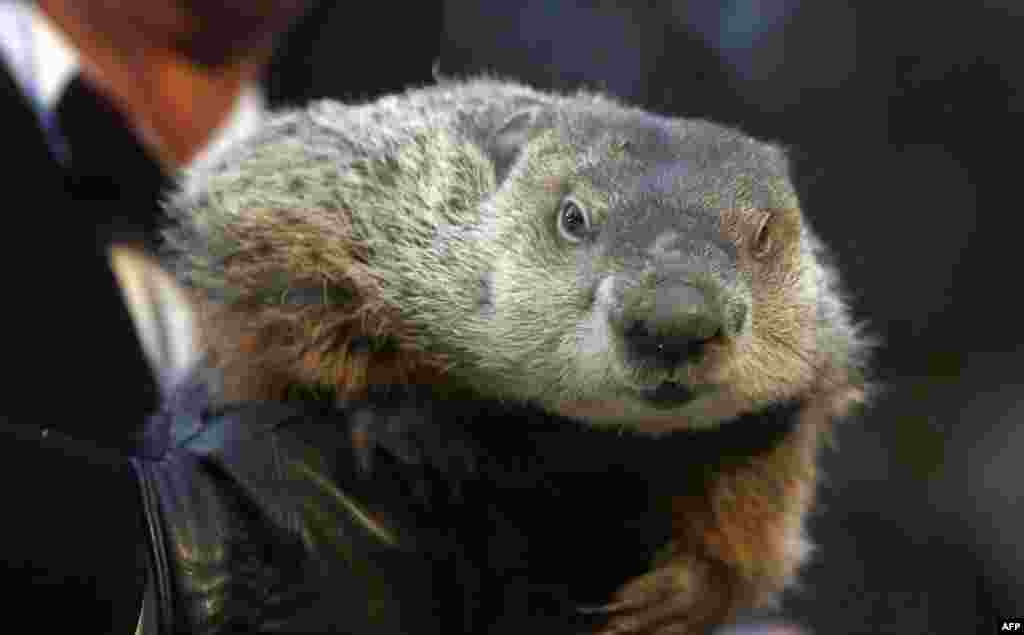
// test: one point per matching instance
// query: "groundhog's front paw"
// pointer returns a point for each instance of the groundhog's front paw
(416, 429)
(675, 599)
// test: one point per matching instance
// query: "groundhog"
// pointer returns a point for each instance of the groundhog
(649, 282)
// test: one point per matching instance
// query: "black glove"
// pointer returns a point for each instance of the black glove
(261, 522)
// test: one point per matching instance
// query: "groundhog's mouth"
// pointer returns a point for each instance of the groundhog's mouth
(668, 394)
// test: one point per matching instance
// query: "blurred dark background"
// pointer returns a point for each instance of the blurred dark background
(903, 121)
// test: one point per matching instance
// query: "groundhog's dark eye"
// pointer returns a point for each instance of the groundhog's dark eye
(573, 221)
(762, 243)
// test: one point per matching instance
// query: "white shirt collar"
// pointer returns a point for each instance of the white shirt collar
(43, 61)
(41, 58)
(243, 120)
(56, 59)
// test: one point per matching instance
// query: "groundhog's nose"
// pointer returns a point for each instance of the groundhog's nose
(673, 326)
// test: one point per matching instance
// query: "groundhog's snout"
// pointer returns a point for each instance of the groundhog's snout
(672, 329)
(664, 327)
(671, 324)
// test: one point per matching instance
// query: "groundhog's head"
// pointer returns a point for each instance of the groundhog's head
(651, 272)
(611, 265)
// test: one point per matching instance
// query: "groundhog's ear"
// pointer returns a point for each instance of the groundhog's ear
(164, 317)
(511, 135)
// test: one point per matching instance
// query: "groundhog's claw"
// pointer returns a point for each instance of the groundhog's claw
(666, 601)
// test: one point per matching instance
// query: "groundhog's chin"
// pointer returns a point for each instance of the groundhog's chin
(657, 411)
(669, 395)
(664, 389)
